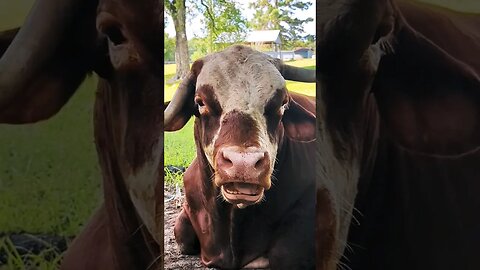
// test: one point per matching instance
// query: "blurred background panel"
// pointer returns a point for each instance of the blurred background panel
(49, 176)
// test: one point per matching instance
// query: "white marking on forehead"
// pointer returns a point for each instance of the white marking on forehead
(242, 80)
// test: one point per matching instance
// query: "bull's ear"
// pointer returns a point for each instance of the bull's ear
(299, 119)
(181, 108)
(43, 63)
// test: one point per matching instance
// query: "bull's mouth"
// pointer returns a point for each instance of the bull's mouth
(242, 194)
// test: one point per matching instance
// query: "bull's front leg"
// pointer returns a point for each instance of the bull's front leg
(185, 235)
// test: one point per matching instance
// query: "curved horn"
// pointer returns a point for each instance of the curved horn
(297, 74)
(34, 44)
(182, 93)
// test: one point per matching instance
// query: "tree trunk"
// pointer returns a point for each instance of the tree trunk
(182, 59)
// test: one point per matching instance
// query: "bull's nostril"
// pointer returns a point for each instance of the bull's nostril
(259, 163)
(226, 161)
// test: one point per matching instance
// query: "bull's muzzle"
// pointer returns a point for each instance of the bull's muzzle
(243, 174)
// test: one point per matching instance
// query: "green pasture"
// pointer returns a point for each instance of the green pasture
(49, 177)
(180, 146)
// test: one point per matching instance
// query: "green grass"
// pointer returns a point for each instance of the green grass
(49, 177)
(180, 145)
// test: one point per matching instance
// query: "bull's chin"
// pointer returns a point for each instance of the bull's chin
(242, 194)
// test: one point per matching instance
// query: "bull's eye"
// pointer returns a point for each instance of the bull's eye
(202, 109)
(277, 110)
(114, 34)
(276, 106)
(283, 108)
(108, 25)
(284, 105)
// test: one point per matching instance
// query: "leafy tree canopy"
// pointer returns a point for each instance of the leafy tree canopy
(223, 21)
(279, 15)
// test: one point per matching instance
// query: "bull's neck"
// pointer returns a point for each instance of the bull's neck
(129, 145)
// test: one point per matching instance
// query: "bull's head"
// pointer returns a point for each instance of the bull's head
(242, 110)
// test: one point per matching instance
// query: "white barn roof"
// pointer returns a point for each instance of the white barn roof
(264, 36)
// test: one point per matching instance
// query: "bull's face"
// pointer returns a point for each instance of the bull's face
(239, 99)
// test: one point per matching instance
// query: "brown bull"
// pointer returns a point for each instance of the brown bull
(41, 67)
(250, 192)
(399, 135)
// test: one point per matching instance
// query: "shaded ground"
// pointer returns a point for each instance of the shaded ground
(173, 259)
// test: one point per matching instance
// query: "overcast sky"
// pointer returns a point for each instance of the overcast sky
(194, 26)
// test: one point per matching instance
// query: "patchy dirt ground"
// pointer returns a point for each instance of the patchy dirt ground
(173, 259)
